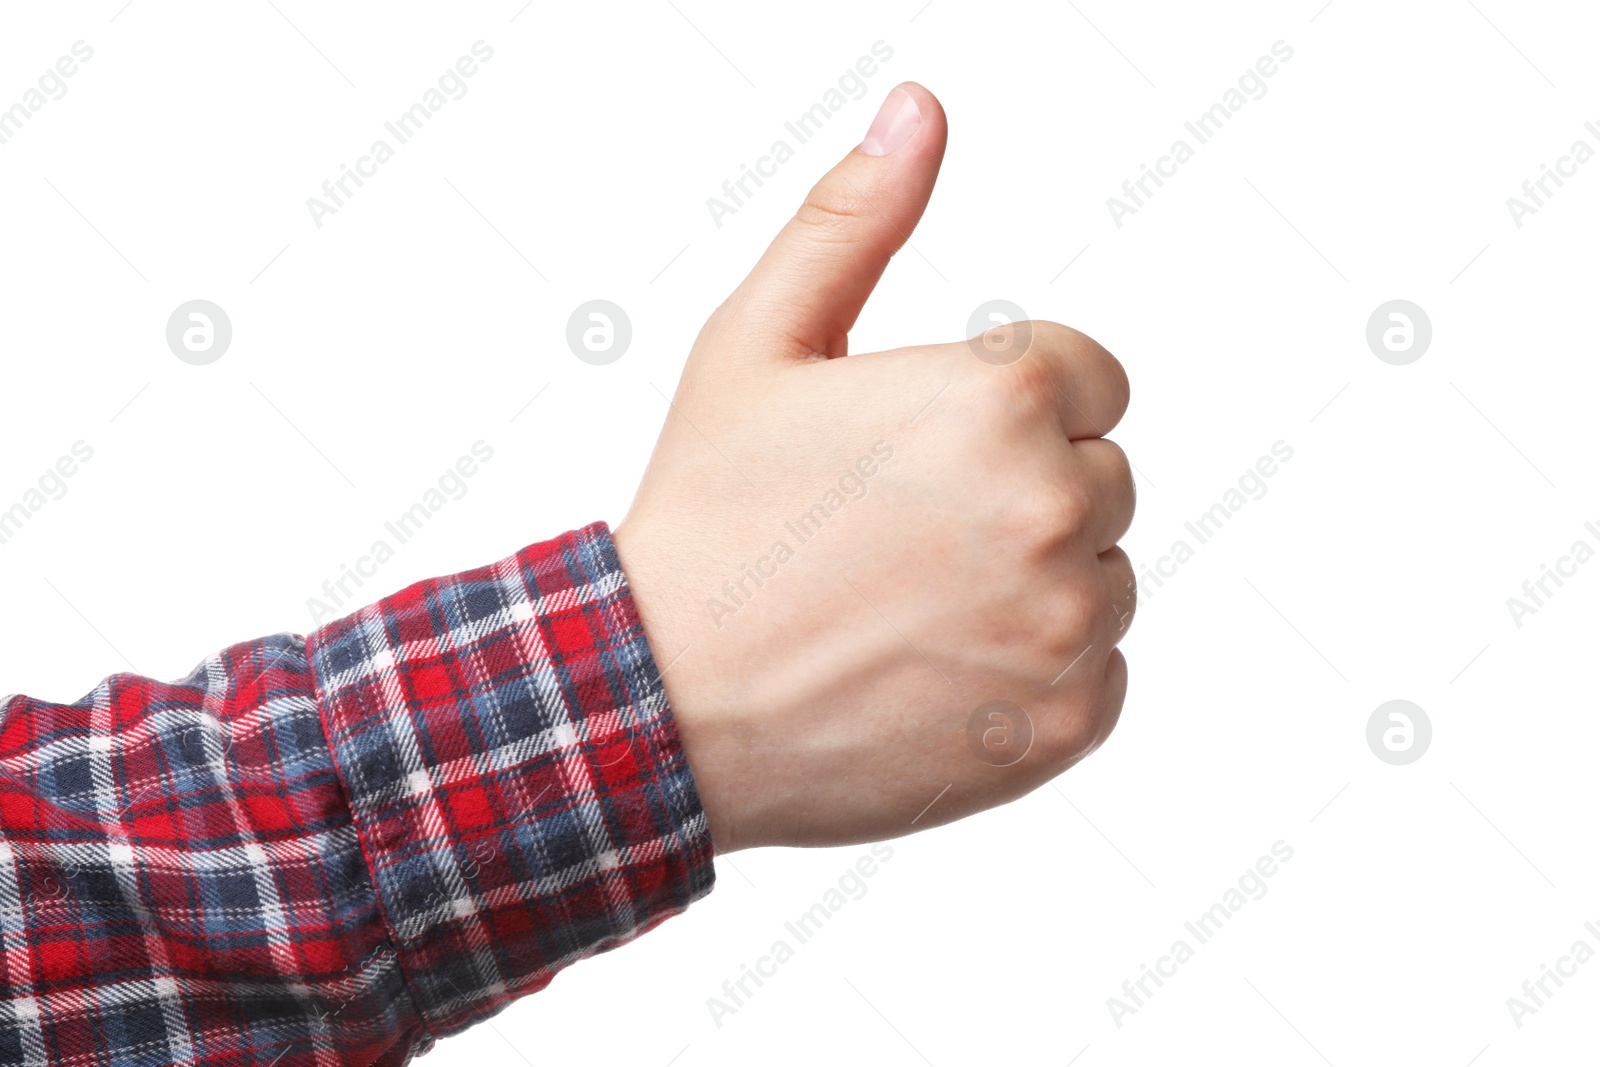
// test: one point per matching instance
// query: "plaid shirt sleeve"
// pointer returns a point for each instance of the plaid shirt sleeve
(338, 849)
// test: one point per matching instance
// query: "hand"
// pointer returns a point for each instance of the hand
(841, 563)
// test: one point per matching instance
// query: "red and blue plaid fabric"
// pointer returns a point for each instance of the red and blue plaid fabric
(338, 849)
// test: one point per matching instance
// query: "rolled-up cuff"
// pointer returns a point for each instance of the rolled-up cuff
(514, 771)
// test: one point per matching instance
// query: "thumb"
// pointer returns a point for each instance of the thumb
(815, 277)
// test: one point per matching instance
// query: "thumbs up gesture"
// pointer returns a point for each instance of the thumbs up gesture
(884, 589)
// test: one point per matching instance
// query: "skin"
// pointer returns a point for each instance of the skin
(834, 701)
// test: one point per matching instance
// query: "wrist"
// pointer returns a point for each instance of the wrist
(710, 738)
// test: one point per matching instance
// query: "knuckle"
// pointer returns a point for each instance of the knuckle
(830, 209)
(1068, 509)
(1039, 521)
(1026, 388)
(1089, 360)
(1064, 629)
(1073, 733)
(1080, 613)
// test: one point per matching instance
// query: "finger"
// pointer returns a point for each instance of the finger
(1120, 592)
(1090, 384)
(813, 280)
(1104, 468)
(1112, 695)
(1088, 726)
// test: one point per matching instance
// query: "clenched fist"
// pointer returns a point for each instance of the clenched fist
(884, 589)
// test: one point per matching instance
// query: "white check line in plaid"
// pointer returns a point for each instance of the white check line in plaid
(413, 817)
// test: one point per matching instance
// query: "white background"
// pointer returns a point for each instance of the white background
(370, 353)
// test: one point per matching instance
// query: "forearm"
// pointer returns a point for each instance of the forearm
(356, 842)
